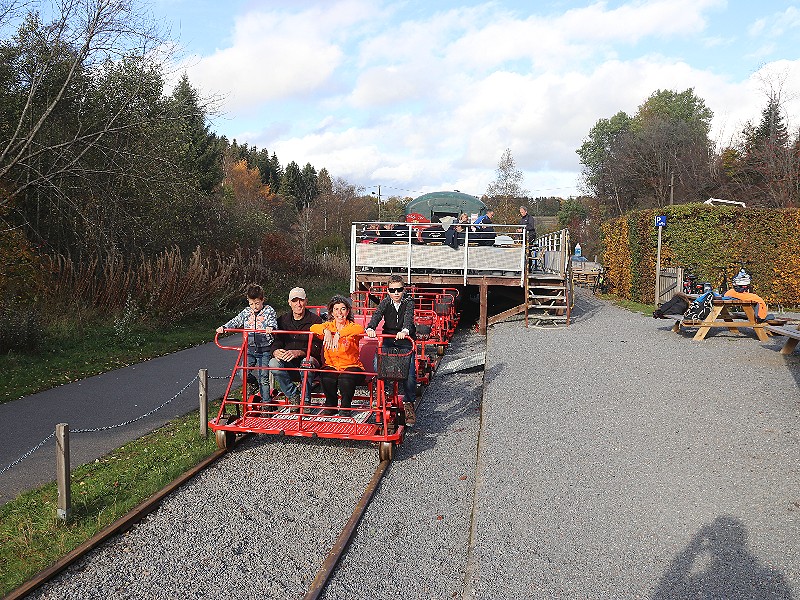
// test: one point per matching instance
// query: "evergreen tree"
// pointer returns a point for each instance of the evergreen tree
(202, 152)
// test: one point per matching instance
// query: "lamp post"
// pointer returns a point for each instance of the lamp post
(379, 203)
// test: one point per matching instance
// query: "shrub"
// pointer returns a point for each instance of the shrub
(707, 239)
(20, 329)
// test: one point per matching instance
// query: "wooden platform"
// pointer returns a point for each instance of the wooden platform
(545, 290)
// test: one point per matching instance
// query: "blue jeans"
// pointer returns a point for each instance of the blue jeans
(285, 381)
(410, 391)
(258, 375)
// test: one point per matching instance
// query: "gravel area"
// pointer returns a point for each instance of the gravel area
(257, 524)
(620, 460)
(610, 459)
(413, 541)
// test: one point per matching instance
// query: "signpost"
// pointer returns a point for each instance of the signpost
(661, 222)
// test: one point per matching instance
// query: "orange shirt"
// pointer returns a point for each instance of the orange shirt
(762, 311)
(347, 354)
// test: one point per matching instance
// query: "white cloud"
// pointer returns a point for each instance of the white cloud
(278, 55)
(432, 102)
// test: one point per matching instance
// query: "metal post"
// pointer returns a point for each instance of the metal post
(671, 187)
(202, 377)
(64, 507)
(658, 269)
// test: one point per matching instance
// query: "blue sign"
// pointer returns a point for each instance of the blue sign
(661, 221)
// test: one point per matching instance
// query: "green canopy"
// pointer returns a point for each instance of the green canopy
(436, 205)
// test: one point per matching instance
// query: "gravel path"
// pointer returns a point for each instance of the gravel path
(625, 461)
(610, 459)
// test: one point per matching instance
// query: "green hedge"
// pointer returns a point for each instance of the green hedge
(706, 239)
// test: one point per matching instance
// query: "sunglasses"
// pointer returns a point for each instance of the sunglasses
(395, 290)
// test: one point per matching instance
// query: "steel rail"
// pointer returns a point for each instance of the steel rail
(343, 541)
(122, 524)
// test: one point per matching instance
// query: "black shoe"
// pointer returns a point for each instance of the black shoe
(411, 415)
(329, 412)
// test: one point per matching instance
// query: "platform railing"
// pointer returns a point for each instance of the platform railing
(412, 248)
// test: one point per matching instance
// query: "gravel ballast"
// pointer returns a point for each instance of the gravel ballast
(609, 459)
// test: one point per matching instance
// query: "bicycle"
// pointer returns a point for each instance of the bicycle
(726, 283)
(690, 283)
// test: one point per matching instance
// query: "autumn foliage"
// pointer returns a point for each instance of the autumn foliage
(709, 240)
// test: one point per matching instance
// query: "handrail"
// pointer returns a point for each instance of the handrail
(409, 253)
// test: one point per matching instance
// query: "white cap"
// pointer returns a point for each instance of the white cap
(297, 292)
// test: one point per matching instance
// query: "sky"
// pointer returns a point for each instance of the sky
(418, 96)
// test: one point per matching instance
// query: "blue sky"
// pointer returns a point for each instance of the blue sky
(421, 96)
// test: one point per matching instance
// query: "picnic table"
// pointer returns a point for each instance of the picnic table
(730, 313)
(792, 337)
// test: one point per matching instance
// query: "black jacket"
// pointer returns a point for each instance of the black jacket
(394, 321)
(527, 223)
(298, 341)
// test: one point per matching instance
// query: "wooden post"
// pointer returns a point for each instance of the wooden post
(202, 376)
(484, 314)
(64, 507)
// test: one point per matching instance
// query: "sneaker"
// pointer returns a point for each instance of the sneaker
(294, 407)
(411, 416)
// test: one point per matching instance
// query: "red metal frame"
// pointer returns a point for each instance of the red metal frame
(371, 412)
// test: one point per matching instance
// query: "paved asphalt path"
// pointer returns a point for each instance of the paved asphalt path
(99, 402)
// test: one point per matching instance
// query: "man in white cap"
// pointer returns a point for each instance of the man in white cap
(290, 349)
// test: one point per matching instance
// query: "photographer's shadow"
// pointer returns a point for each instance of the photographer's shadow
(717, 564)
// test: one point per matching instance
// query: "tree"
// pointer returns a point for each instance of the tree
(661, 153)
(201, 154)
(46, 70)
(670, 147)
(308, 186)
(602, 156)
(508, 183)
(292, 185)
(763, 168)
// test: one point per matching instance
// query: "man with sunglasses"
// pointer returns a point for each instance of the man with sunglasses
(289, 349)
(397, 312)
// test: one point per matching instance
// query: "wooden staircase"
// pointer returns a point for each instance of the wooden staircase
(549, 298)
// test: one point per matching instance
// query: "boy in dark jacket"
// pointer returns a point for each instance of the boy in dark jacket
(397, 312)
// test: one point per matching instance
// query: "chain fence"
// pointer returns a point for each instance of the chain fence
(105, 427)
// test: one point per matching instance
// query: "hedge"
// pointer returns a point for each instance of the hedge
(706, 239)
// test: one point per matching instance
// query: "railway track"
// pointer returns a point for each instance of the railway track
(257, 522)
(301, 511)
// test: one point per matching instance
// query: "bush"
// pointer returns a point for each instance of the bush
(20, 329)
(707, 239)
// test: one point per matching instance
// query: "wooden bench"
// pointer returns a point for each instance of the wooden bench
(792, 337)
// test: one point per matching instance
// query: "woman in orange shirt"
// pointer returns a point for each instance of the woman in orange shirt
(340, 342)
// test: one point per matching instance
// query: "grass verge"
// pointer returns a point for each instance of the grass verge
(645, 309)
(70, 355)
(32, 537)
